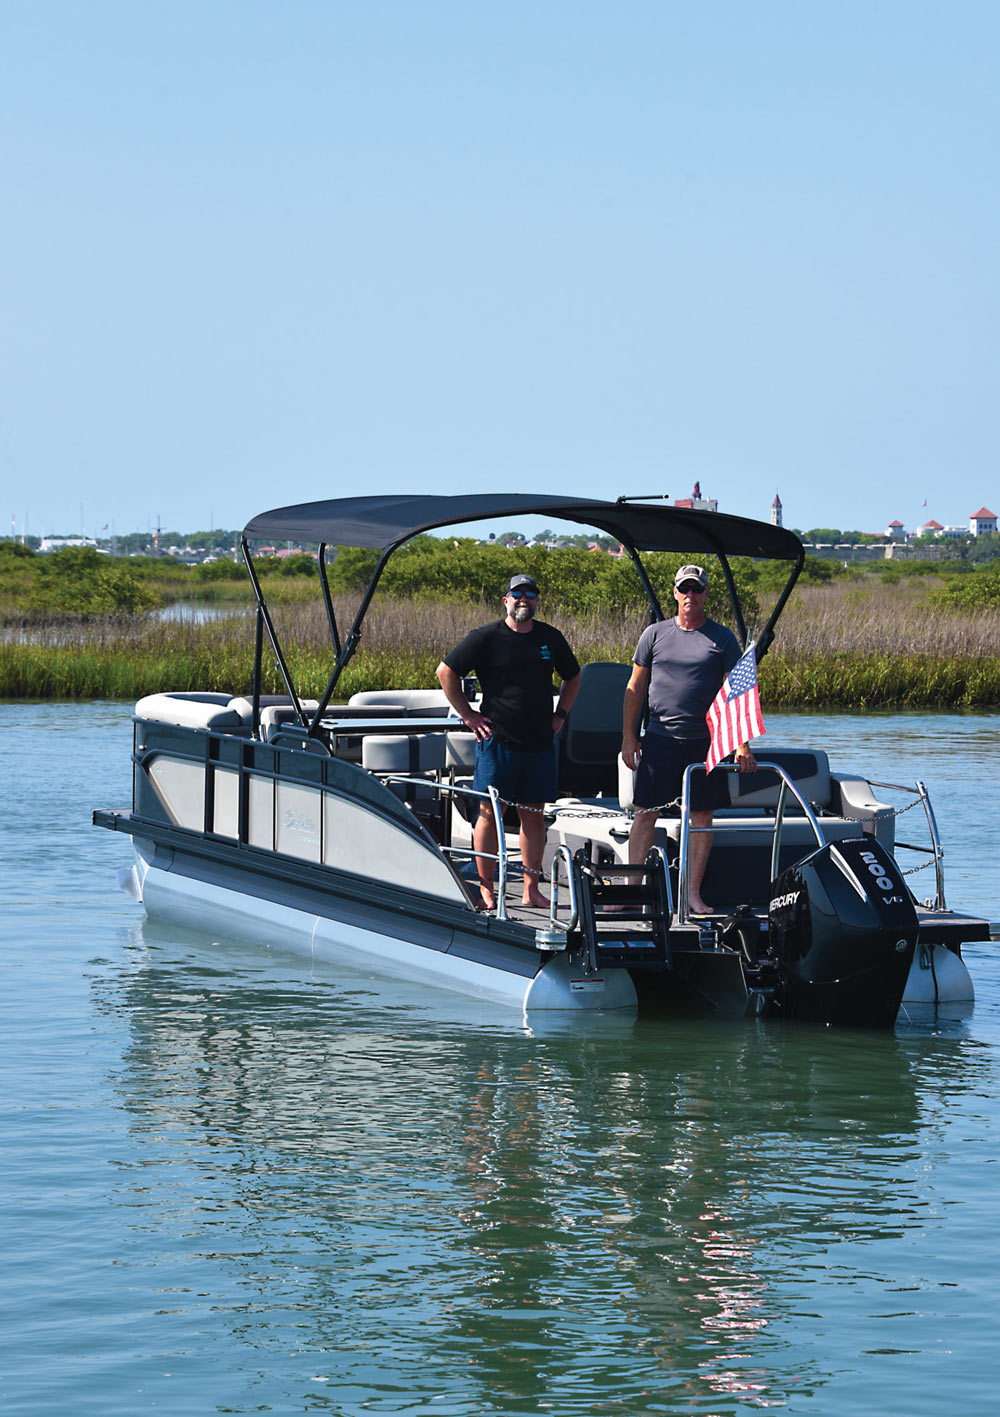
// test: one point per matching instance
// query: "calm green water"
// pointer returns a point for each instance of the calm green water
(230, 1185)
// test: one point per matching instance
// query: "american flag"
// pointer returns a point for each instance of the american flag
(735, 717)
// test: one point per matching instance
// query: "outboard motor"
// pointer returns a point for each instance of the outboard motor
(842, 930)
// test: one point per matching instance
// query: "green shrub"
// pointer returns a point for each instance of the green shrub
(979, 590)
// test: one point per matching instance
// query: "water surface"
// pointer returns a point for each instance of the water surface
(235, 1184)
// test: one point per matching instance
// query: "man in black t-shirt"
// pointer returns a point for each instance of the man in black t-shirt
(514, 660)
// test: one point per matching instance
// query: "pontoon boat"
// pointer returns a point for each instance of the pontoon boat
(343, 829)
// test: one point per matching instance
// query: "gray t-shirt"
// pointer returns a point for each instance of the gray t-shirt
(687, 668)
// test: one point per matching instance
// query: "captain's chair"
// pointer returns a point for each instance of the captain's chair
(590, 742)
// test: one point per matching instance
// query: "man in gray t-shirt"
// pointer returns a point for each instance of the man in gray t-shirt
(681, 664)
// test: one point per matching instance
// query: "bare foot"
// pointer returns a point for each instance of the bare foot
(488, 899)
(534, 897)
(698, 907)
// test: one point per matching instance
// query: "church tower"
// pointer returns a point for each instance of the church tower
(776, 511)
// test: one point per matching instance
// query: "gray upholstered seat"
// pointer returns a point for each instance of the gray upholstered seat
(191, 710)
(589, 743)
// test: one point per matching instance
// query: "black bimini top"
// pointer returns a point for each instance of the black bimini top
(384, 522)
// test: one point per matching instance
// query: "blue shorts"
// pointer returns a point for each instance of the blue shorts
(517, 775)
(661, 774)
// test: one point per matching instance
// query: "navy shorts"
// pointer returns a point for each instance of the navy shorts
(517, 775)
(661, 774)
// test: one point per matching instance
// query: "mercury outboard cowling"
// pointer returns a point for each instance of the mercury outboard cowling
(842, 930)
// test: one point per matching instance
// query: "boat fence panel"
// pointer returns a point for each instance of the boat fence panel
(297, 821)
(226, 800)
(260, 827)
(363, 843)
(180, 786)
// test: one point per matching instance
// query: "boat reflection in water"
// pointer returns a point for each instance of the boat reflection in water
(417, 1196)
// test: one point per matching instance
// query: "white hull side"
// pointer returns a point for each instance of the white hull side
(203, 905)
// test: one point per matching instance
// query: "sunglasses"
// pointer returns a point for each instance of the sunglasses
(691, 588)
(522, 594)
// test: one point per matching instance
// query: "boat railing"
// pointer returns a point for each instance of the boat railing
(491, 795)
(555, 936)
(559, 927)
(935, 850)
(786, 788)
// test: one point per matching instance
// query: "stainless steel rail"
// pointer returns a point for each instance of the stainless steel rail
(687, 830)
(493, 797)
(935, 849)
(555, 936)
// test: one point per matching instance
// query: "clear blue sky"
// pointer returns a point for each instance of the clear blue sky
(259, 253)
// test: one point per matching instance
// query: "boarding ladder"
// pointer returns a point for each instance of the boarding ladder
(637, 933)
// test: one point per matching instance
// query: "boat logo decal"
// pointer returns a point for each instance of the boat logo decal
(876, 868)
(780, 901)
(305, 826)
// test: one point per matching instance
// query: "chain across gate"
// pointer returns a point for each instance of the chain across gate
(920, 797)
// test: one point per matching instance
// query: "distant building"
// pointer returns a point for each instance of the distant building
(776, 511)
(982, 522)
(939, 532)
(696, 502)
(59, 543)
(894, 531)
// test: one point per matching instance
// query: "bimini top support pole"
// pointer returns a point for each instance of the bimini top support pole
(265, 615)
(353, 638)
(331, 614)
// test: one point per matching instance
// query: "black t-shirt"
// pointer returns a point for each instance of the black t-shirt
(514, 670)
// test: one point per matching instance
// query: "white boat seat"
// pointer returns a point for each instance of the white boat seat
(406, 753)
(275, 716)
(244, 704)
(410, 755)
(192, 710)
(406, 699)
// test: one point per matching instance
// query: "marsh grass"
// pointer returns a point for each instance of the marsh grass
(844, 645)
(861, 646)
